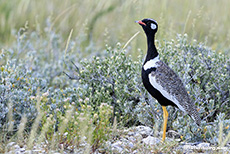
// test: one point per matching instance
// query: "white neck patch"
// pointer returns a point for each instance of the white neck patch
(151, 63)
(153, 26)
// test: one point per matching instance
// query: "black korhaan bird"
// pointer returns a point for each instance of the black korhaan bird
(161, 81)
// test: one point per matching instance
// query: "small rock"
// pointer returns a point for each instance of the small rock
(16, 147)
(138, 137)
(132, 139)
(10, 144)
(130, 144)
(131, 133)
(144, 130)
(203, 145)
(22, 149)
(17, 152)
(30, 152)
(151, 140)
(117, 146)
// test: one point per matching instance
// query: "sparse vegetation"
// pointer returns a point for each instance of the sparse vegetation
(67, 91)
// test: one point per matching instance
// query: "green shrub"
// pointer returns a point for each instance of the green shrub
(17, 84)
(99, 88)
(113, 79)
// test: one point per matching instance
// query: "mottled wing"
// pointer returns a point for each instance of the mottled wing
(165, 80)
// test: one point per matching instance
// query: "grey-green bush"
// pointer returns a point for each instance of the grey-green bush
(113, 79)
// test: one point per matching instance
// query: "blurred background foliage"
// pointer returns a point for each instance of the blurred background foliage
(112, 21)
(42, 39)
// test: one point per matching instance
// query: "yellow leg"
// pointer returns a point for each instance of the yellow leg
(165, 115)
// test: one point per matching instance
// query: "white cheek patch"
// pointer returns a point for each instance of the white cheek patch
(153, 26)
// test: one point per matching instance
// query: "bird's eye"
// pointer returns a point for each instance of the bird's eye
(153, 26)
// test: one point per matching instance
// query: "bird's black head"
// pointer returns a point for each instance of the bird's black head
(149, 25)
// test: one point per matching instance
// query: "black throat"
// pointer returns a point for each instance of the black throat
(152, 51)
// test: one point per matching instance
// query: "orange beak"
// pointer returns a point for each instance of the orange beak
(140, 22)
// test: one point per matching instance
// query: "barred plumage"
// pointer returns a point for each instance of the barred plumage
(174, 89)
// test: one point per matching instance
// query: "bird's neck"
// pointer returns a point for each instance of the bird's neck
(152, 51)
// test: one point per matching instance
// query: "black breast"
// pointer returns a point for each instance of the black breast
(154, 92)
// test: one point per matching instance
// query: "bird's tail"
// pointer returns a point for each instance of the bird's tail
(195, 116)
